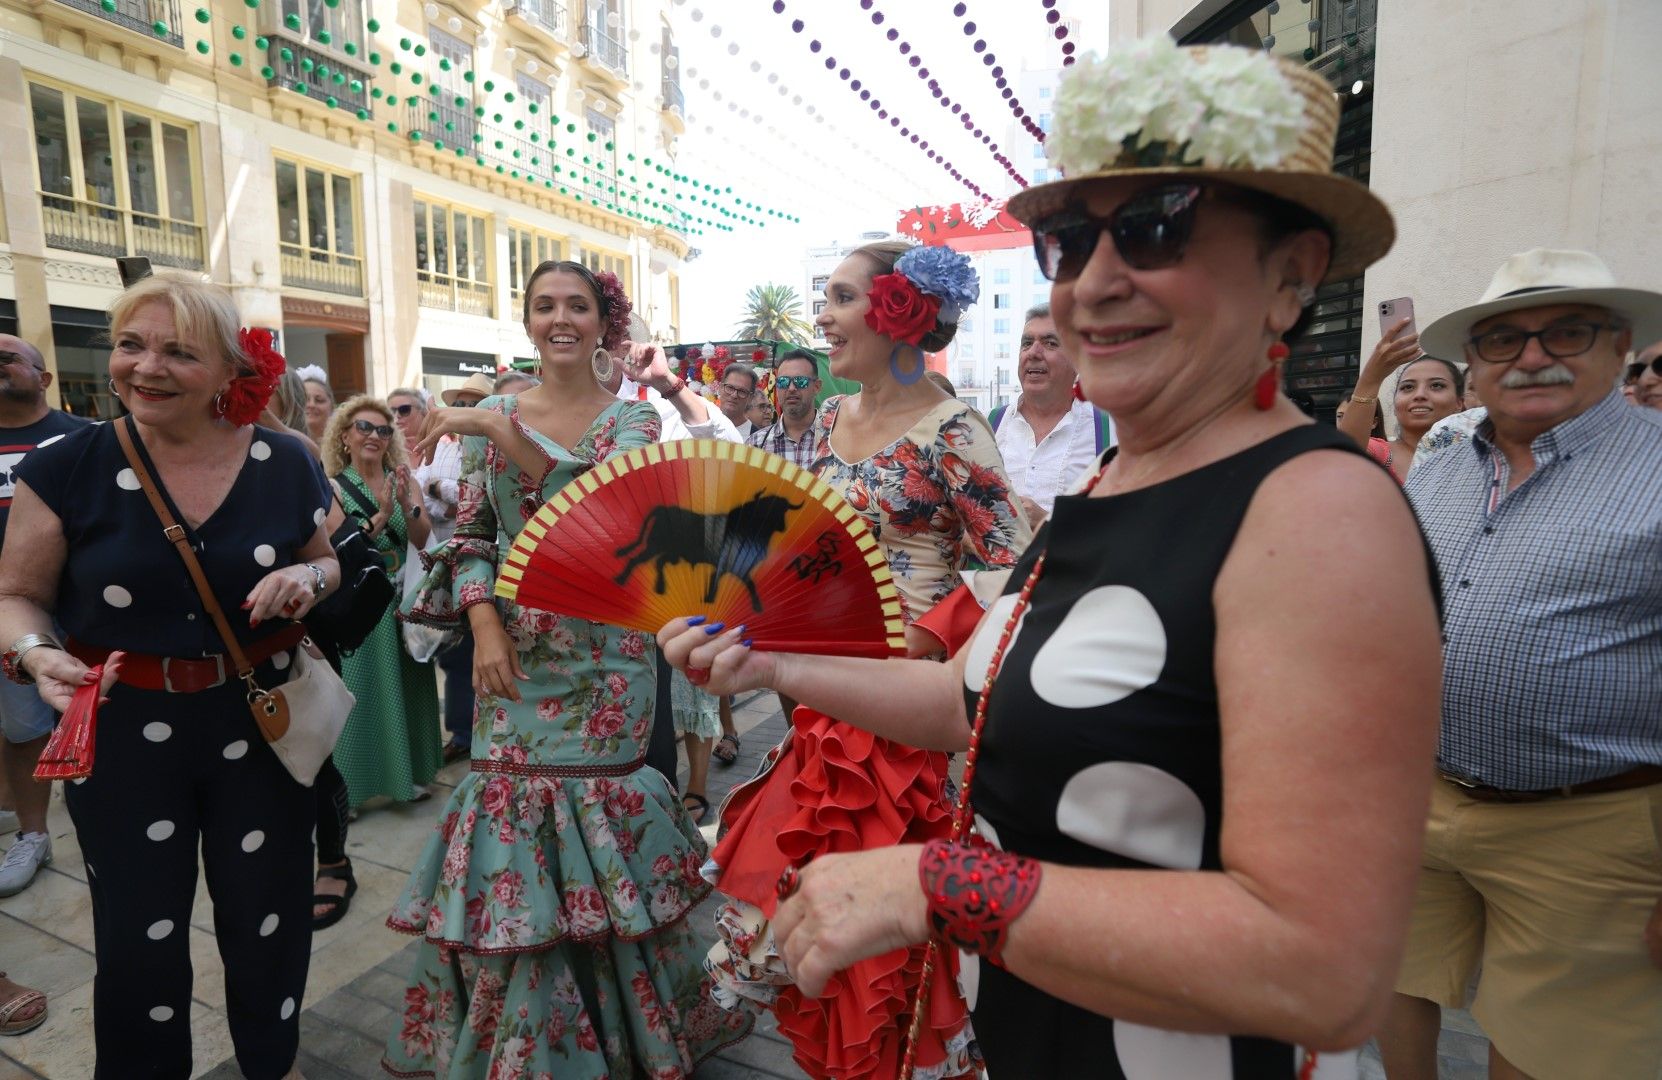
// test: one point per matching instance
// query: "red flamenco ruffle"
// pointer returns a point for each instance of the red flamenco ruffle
(836, 789)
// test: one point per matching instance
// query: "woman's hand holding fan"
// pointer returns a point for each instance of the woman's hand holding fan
(723, 662)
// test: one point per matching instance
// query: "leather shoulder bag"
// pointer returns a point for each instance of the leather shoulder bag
(300, 719)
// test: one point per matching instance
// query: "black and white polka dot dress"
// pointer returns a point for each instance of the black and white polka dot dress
(1102, 746)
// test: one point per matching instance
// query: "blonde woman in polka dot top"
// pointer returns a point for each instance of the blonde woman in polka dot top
(179, 762)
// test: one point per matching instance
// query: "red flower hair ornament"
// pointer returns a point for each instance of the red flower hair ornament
(246, 397)
(900, 310)
(618, 307)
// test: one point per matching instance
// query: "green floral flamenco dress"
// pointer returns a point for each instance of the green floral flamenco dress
(552, 897)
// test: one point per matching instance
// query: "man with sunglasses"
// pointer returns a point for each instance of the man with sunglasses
(1543, 855)
(26, 421)
(796, 386)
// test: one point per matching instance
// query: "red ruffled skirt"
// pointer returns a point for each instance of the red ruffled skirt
(831, 788)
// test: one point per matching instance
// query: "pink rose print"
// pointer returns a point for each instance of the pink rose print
(498, 796)
(632, 644)
(510, 889)
(625, 893)
(646, 996)
(617, 685)
(549, 709)
(473, 592)
(585, 910)
(605, 722)
(586, 1038)
(663, 866)
(455, 865)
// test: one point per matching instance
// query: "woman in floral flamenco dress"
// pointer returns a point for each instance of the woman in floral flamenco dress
(553, 895)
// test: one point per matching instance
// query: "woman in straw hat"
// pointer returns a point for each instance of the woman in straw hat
(1193, 801)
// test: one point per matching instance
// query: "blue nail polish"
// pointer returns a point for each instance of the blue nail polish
(747, 642)
(715, 628)
(741, 629)
(696, 620)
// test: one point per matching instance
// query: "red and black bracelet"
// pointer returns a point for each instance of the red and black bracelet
(975, 892)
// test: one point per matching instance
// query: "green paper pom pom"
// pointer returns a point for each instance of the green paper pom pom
(202, 15)
(392, 127)
(363, 114)
(331, 3)
(496, 118)
(631, 157)
(411, 100)
(479, 111)
(338, 78)
(357, 86)
(519, 125)
(158, 28)
(415, 136)
(375, 58)
(376, 93)
(516, 154)
(299, 88)
(306, 64)
(202, 47)
(572, 128)
(532, 108)
(252, 3)
(323, 71)
(287, 54)
(535, 138)
(501, 169)
(609, 144)
(467, 76)
(262, 43)
(330, 101)
(404, 43)
(478, 161)
(509, 96)
(489, 86)
(433, 117)
(374, 26)
(450, 125)
(433, 89)
(438, 144)
(236, 59)
(592, 136)
(325, 37)
(415, 77)
(459, 152)
(563, 191)
(350, 49)
(238, 32)
(292, 21)
(555, 120)
(461, 102)
(536, 160)
(267, 73)
(420, 49)
(444, 63)
(478, 138)
(107, 5)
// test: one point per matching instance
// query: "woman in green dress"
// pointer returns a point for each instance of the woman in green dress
(390, 745)
(552, 898)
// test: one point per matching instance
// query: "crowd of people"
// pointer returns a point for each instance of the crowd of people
(1132, 804)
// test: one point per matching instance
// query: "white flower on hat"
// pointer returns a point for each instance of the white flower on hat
(1157, 104)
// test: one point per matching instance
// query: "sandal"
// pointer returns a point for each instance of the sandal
(726, 749)
(700, 807)
(21, 1009)
(338, 905)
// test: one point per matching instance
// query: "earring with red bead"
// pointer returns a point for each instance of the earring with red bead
(1263, 392)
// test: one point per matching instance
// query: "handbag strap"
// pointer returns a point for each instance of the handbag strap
(175, 534)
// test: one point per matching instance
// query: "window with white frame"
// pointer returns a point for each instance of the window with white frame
(528, 249)
(452, 257)
(317, 228)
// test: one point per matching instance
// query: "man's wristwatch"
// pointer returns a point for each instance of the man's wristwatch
(320, 580)
(11, 663)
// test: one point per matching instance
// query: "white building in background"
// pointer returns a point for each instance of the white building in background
(817, 266)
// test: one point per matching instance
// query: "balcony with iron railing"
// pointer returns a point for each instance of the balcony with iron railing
(443, 121)
(325, 271)
(547, 15)
(323, 74)
(452, 293)
(139, 16)
(98, 229)
(605, 50)
(673, 98)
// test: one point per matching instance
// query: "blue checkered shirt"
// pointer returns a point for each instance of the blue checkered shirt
(1552, 621)
(776, 440)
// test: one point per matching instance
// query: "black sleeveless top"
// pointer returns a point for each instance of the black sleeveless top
(1102, 746)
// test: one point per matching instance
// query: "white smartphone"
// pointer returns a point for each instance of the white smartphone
(1392, 312)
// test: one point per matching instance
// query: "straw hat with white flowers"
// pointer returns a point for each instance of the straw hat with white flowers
(1216, 112)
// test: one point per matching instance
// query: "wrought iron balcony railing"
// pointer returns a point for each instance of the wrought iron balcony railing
(139, 16)
(605, 49)
(673, 98)
(548, 14)
(97, 229)
(444, 122)
(321, 73)
(326, 271)
(453, 293)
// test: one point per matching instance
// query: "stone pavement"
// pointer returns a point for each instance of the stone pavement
(356, 986)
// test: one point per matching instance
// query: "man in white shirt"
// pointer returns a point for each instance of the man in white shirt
(1048, 438)
(738, 390)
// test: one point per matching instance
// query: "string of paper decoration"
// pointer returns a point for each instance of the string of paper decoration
(990, 60)
(1059, 31)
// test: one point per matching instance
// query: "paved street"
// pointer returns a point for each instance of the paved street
(356, 986)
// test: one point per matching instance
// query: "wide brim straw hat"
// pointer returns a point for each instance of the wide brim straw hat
(1209, 112)
(483, 385)
(1542, 277)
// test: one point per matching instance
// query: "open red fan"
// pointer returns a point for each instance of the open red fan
(701, 527)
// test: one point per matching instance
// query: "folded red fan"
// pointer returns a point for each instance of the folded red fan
(701, 527)
(68, 753)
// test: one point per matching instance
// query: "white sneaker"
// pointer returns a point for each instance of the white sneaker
(29, 852)
(8, 822)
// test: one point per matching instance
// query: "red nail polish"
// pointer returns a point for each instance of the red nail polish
(253, 623)
(246, 604)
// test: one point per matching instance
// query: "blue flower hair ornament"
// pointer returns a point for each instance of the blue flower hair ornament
(944, 274)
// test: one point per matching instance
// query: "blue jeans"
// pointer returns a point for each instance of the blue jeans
(457, 664)
(24, 717)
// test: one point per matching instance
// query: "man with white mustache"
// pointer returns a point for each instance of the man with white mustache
(1049, 438)
(1543, 854)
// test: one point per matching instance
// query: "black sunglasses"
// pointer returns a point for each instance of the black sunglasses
(403, 410)
(366, 428)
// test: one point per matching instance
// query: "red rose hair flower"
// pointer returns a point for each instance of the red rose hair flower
(899, 310)
(246, 397)
(618, 307)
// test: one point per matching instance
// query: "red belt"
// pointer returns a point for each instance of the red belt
(178, 675)
(1643, 776)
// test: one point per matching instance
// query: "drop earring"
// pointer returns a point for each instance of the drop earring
(1263, 392)
(600, 362)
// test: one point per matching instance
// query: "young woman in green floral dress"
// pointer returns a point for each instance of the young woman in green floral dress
(553, 896)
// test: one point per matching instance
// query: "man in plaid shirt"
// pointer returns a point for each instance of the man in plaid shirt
(796, 385)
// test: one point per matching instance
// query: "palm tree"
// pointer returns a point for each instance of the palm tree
(774, 313)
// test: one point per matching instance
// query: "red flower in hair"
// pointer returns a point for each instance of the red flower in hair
(618, 307)
(899, 311)
(246, 397)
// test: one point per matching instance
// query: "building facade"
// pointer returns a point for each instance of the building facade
(374, 188)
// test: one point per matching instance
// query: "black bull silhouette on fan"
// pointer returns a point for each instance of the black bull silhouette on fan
(732, 543)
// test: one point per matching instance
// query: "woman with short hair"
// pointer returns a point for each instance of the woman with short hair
(180, 762)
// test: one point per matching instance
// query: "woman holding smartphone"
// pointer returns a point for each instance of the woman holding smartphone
(1426, 390)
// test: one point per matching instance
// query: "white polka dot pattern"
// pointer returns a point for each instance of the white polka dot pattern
(161, 1014)
(251, 843)
(1148, 1053)
(156, 731)
(259, 450)
(159, 830)
(235, 750)
(287, 1009)
(49, 440)
(1110, 645)
(159, 929)
(319, 516)
(116, 596)
(981, 647)
(127, 480)
(269, 926)
(280, 661)
(265, 554)
(1135, 810)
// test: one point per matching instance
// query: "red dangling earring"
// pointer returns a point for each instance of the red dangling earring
(1078, 390)
(1263, 392)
